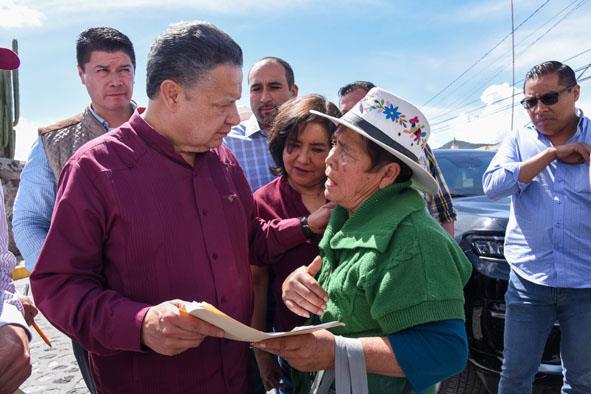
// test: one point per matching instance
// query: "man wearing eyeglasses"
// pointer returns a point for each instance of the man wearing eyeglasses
(544, 167)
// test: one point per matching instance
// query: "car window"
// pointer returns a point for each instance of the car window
(463, 170)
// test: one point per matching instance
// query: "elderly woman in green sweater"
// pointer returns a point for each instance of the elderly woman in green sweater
(386, 269)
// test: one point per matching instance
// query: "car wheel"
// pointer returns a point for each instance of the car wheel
(466, 382)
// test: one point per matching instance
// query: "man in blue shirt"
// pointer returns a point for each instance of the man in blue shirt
(270, 83)
(106, 66)
(544, 167)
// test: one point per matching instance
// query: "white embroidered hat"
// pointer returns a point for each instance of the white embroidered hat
(394, 124)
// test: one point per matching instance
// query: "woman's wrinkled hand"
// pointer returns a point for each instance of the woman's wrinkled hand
(308, 352)
(302, 294)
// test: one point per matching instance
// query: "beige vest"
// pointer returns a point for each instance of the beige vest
(62, 139)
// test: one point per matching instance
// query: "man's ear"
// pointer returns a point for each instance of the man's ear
(170, 94)
(81, 74)
(389, 174)
(294, 90)
(576, 92)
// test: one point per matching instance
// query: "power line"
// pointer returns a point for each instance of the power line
(577, 55)
(449, 118)
(484, 56)
(460, 101)
(444, 124)
(576, 7)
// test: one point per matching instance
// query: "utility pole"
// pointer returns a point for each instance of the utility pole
(513, 64)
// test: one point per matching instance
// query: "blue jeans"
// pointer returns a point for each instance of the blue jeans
(531, 312)
(81, 356)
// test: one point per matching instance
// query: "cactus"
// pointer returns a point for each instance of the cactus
(9, 109)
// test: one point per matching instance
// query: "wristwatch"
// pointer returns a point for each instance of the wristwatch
(306, 227)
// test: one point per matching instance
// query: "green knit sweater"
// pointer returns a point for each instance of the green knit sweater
(390, 267)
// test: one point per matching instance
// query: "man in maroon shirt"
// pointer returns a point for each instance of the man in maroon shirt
(156, 212)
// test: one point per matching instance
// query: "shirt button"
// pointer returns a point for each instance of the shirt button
(214, 256)
(204, 212)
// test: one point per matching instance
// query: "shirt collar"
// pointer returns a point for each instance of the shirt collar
(251, 126)
(153, 139)
(581, 125)
(102, 121)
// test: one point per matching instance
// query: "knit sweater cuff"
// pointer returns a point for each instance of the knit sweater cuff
(421, 313)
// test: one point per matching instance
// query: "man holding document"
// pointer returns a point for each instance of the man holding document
(156, 212)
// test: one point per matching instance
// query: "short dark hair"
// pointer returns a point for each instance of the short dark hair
(290, 119)
(380, 157)
(348, 88)
(186, 52)
(566, 75)
(289, 76)
(104, 39)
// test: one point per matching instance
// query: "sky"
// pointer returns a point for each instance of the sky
(450, 58)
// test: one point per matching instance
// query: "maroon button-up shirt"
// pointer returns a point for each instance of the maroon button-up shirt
(278, 200)
(135, 225)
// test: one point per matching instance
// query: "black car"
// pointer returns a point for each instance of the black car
(480, 230)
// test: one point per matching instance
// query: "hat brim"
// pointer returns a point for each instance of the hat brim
(8, 59)
(421, 179)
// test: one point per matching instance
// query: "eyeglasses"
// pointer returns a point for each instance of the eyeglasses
(546, 99)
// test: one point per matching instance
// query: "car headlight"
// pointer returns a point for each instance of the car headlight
(489, 247)
(485, 251)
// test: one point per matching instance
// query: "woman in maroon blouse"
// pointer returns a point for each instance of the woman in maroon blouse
(299, 144)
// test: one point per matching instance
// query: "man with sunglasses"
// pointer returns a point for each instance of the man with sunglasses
(544, 167)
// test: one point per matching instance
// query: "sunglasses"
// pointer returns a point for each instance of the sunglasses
(550, 98)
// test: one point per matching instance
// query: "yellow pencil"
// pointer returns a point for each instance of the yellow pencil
(41, 333)
(35, 325)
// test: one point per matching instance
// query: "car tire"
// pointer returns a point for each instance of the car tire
(466, 382)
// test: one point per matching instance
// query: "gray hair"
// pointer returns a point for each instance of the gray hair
(186, 52)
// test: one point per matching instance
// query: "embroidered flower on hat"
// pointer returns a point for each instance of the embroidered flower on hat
(396, 125)
(417, 131)
(392, 112)
(387, 108)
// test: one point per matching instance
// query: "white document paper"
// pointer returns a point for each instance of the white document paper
(241, 332)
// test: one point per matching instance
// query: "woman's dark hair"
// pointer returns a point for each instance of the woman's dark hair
(292, 116)
(380, 157)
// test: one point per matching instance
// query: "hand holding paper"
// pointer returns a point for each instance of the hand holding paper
(166, 331)
(312, 352)
(233, 329)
